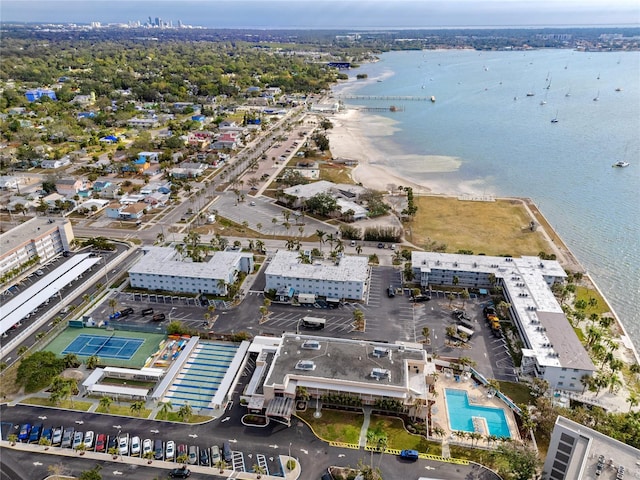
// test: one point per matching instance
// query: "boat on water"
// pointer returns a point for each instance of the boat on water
(433, 99)
(555, 119)
(621, 164)
(597, 97)
(619, 89)
(530, 94)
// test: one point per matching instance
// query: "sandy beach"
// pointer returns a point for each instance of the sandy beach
(373, 151)
(348, 141)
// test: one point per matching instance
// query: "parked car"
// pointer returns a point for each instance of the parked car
(226, 452)
(123, 444)
(215, 455)
(67, 437)
(147, 446)
(409, 454)
(135, 446)
(204, 457)
(112, 443)
(78, 438)
(89, 437)
(56, 437)
(147, 311)
(101, 442)
(391, 292)
(25, 430)
(170, 450)
(34, 435)
(182, 472)
(47, 433)
(158, 450)
(193, 455)
(158, 317)
(181, 450)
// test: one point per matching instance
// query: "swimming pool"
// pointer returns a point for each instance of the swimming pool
(461, 414)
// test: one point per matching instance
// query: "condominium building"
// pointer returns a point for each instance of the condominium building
(41, 236)
(346, 277)
(552, 350)
(322, 367)
(164, 268)
(577, 452)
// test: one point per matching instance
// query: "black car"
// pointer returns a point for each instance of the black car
(204, 457)
(391, 292)
(421, 298)
(182, 472)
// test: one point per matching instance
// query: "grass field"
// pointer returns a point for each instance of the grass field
(398, 437)
(67, 404)
(124, 410)
(492, 228)
(334, 425)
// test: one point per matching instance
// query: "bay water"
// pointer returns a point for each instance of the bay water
(489, 132)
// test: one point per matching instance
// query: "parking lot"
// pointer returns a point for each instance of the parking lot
(124, 443)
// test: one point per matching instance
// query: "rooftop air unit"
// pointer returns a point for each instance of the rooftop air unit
(307, 365)
(380, 352)
(380, 373)
(311, 345)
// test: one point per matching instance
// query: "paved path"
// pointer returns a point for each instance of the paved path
(365, 426)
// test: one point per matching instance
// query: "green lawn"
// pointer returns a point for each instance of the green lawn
(583, 293)
(124, 410)
(334, 425)
(67, 404)
(173, 417)
(398, 437)
(518, 392)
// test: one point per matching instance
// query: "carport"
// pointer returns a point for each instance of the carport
(19, 307)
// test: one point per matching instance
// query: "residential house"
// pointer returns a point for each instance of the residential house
(227, 140)
(140, 165)
(84, 100)
(99, 186)
(200, 139)
(8, 182)
(151, 157)
(134, 211)
(140, 122)
(111, 191)
(52, 198)
(188, 170)
(157, 199)
(38, 93)
(69, 186)
(152, 187)
(61, 162)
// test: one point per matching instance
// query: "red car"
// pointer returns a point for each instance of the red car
(101, 442)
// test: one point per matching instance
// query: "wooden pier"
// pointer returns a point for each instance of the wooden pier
(392, 108)
(385, 97)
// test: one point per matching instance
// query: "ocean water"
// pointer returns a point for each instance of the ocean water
(484, 135)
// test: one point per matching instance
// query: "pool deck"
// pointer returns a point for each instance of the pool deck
(477, 395)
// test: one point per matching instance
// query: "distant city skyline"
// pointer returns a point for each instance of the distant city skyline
(329, 14)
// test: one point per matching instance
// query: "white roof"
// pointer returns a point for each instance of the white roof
(18, 307)
(118, 390)
(166, 261)
(348, 268)
(310, 189)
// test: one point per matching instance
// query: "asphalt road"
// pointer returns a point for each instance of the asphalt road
(315, 456)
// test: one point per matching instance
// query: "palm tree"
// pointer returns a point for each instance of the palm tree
(45, 442)
(259, 470)
(451, 297)
(426, 331)
(358, 249)
(221, 464)
(320, 234)
(465, 296)
(12, 438)
(165, 409)
(149, 456)
(105, 403)
(92, 362)
(80, 448)
(114, 451)
(136, 407)
(185, 412)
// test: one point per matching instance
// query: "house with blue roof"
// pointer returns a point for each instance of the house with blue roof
(38, 93)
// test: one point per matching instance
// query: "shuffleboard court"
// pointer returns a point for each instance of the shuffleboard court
(104, 347)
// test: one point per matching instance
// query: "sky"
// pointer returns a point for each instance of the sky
(328, 14)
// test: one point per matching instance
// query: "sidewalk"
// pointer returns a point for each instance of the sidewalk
(365, 426)
(66, 452)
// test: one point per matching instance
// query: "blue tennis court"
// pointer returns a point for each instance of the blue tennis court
(104, 347)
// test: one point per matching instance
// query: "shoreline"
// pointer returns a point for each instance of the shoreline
(348, 141)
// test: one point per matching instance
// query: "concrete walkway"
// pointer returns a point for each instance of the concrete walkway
(365, 426)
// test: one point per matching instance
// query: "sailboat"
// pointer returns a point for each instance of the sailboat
(597, 97)
(555, 119)
(568, 94)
